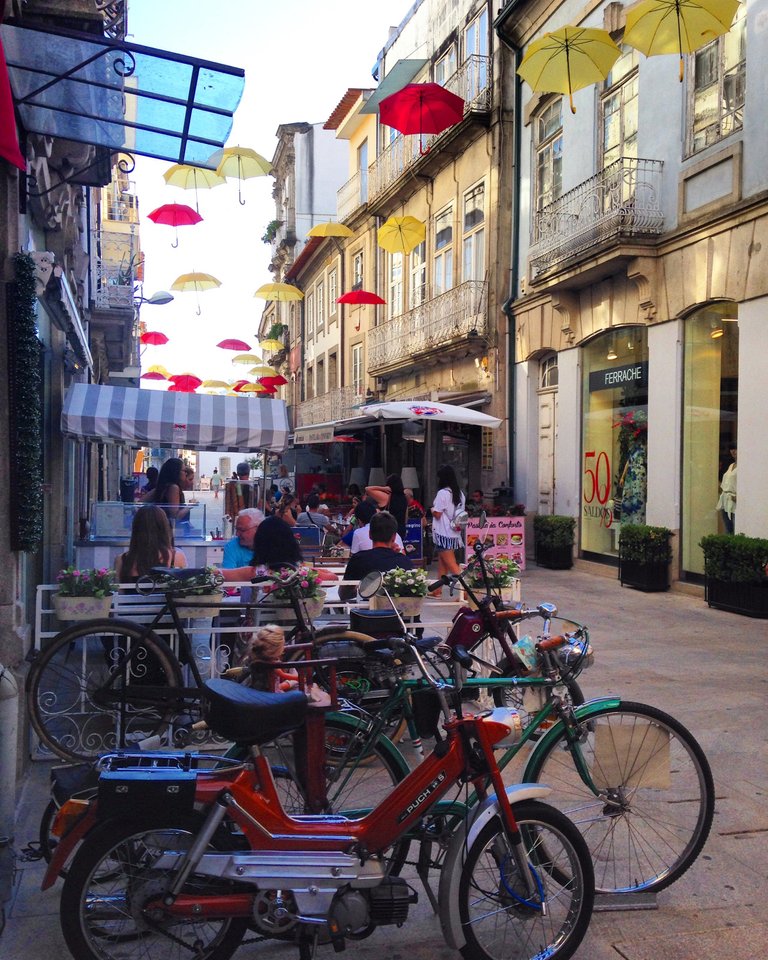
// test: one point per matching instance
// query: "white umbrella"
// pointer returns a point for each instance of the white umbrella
(429, 410)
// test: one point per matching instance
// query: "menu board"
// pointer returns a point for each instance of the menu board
(503, 536)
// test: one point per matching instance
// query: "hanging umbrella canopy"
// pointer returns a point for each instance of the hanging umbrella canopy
(401, 234)
(185, 381)
(330, 229)
(262, 370)
(233, 345)
(246, 358)
(192, 178)
(271, 346)
(279, 291)
(158, 368)
(360, 296)
(421, 108)
(175, 215)
(252, 388)
(154, 338)
(428, 410)
(214, 385)
(276, 381)
(242, 163)
(152, 375)
(568, 59)
(657, 27)
(195, 282)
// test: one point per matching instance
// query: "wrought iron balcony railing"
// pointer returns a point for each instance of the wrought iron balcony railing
(352, 195)
(624, 199)
(112, 269)
(444, 321)
(471, 82)
(337, 404)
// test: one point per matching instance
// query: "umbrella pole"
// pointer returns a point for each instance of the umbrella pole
(242, 203)
(568, 68)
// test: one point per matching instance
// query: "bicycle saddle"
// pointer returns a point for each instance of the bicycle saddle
(251, 716)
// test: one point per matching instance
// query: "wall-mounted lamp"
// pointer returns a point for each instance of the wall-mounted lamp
(717, 330)
(612, 355)
(157, 299)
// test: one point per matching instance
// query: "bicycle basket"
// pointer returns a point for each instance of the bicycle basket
(575, 656)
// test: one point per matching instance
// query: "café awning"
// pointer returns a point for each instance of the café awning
(119, 95)
(158, 418)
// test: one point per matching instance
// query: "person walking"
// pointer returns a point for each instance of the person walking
(175, 477)
(215, 483)
(449, 501)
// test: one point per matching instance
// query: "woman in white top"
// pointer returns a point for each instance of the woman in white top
(727, 502)
(448, 502)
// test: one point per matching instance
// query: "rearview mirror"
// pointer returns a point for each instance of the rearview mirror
(370, 584)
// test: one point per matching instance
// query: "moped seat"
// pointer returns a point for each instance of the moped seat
(251, 716)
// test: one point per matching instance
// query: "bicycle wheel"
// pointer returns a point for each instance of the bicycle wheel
(104, 914)
(656, 801)
(500, 920)
(74, 689)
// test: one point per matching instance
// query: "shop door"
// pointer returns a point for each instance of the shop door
(547, 434)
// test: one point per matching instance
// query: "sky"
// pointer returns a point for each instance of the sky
(299, 57)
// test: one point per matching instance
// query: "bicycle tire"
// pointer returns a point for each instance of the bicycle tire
(660, 781)
(499, 921)
(65, 708)
(113, 868)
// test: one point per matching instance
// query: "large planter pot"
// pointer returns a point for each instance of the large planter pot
(206, 605)
(314, 605)
(509, 594)
(555, 558)
(81, 608)
(407, 606)
(749, 599)
(649, 577)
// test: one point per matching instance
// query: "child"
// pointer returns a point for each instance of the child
(265, 647)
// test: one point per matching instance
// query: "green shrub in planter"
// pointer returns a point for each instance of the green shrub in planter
(734, 558)
(645, 544)
(553, 531)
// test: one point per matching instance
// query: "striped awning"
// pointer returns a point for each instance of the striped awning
(162, 419)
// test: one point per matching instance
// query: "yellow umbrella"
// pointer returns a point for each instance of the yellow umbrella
(657, 27)
(271, 346)
(246, 358)
(195, 283)
(279, 291)
(401, 234)
(215, 385)
(330, 229)
(192, 178)
(241, 162)
(262, 370)
(159, 368)
(252, 388)
(568, 59)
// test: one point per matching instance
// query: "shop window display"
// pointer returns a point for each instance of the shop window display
(614, 437)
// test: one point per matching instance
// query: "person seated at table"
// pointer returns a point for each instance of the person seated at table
(151, 474)
(362, 539)
(381, 555)
(312, 516)
(476, 503)
(274, 544)
(239, 551)
(286, 508)
(151, 545)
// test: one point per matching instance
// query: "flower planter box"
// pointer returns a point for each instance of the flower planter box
(406, 606)
(511, 594)
(555, 558)
(749, 599)
(81, 608)
(649, 577)
(205, 605)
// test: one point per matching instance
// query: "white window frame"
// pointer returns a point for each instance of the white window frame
(358, 271)
(446, 66)
(395, 276)
(357, 373)
(620, 88)
(476, 43)
(417, 287)
(548, 149)
(442, 260)
(319, 307)
(333, 292)
(473, 237)
(310, 316)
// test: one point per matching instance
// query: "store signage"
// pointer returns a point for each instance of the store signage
(315, 434)
(503, 536)
(635, 374)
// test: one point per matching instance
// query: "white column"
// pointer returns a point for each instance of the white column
(752, 471)
(665, 390)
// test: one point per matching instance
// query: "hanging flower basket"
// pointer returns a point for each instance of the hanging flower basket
(81, 608)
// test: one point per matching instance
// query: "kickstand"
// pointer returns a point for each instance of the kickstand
(306, 952)
(422, 869)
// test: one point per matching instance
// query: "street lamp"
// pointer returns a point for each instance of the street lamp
(157, 299)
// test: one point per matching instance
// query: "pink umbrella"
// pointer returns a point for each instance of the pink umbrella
(186, 382)
(154, 338)
(360, 296)
(175, 215)
(239, 345)
(270, 382)
(152, 375)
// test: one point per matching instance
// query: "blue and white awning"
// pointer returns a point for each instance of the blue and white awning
(161, 419)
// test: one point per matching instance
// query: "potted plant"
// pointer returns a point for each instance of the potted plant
(502, 577)
(644, 555)
(84, 594)
(202, 589)
(407, 588)
(309, 589)
(735, 570)
(553, 541)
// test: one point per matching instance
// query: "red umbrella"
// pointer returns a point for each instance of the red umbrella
(152, 375)
(186, 382)
(360, 296)
(421, 108)
(154, 338)
(175, 215)
(270, 382)
(238, 345)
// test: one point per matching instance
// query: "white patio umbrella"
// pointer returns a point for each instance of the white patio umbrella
(429, 410)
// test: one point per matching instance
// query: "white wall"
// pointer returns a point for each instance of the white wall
(568, 440)
(752, 482)
(321, 168)
(665, 366)
(525, 480)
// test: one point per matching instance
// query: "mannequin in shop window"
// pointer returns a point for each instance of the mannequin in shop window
(633, 482)
(727, 502)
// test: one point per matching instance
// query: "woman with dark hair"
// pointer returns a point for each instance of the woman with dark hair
(175, 477)
(449, 501)
(398, 502)
(151, 546)
(273, 546)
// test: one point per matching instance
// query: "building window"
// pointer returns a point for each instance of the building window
(443, 261)
(446, 66)
(716, 88)
(619, 109)
(548, 184)
(548, 375)
(418, 285)
(487, 449)
(333, 292)
(309, 383)
(710, 410)
(614, 436)
(310, 316)
(333, 371)
(320, 307)
(475, 56)
(357, 368)
(362, 169)
(292, 323)
(320, 378)
(357, 271)
(473, 234)
(395, 274)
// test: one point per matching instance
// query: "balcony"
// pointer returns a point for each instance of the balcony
(112, 290)
(622, 201)
(352, 195)
(448, 321)
(338, 404)
(471, 82)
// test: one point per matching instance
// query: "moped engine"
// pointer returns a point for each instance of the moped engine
(356, 913)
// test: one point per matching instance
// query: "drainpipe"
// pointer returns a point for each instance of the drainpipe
(9, 716)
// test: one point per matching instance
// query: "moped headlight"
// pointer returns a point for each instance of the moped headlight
(505, 725)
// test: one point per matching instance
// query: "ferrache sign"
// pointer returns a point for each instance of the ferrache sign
(631, 373)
